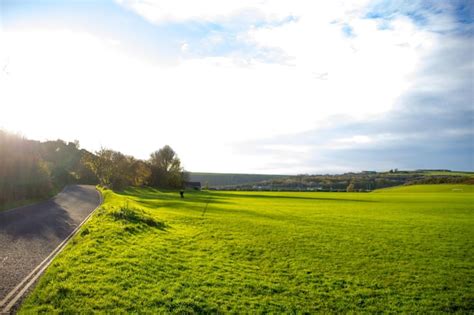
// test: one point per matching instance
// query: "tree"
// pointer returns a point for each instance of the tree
(84, 172)
(350, 187)
(139, 172)
(166, 170)
(101, 164)
(23, 174)
(117, 170)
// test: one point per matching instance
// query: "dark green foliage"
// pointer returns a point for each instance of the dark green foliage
(443, 180)
(33, 170)
(84, 173)
(213, 180)
(23, 174)
(65, 160)
(166, 170)
(116, 170)
(363, 181)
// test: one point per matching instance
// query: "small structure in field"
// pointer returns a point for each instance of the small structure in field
(193, 185)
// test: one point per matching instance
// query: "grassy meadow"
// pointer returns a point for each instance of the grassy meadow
(451, 173)
(253, 252)
(432, 189)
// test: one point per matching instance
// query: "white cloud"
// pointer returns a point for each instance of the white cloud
(158, 11)
(90, 82)
(162, 11)
(76, 85)
(287, 148)
(359, 139)
(184, 47)
(373, 68)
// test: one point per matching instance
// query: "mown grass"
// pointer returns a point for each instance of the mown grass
(252, 252)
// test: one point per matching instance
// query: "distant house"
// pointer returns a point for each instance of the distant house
(193, 185)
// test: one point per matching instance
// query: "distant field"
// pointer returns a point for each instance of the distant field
(454, 173)
(253, 252)
(439, 188)
(219, 180)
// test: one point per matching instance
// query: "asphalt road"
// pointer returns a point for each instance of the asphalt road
(29, 234)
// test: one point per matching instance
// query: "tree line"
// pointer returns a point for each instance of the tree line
(350, 182)
(116, 170)
(32, 169)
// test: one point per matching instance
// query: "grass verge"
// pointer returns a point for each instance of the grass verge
(250, 252)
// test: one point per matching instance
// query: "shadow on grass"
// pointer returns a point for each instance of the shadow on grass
(199, 201)
(163, 196)
(250, 214)
(266, 196)
(155, 204)
(136, 216)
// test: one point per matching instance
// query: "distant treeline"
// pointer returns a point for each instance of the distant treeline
(33, 169)
(226, 179)
(364, 181)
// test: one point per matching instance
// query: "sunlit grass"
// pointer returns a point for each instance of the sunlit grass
(454, 173)
(252, 252)
(438, 188)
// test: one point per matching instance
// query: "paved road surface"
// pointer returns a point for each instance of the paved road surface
(29, 234)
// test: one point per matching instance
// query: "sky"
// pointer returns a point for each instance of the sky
(246, 86)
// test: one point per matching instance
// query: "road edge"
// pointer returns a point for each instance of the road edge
(34, 203)
(12, 298)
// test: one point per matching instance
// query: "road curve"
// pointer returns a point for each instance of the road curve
(29, 234)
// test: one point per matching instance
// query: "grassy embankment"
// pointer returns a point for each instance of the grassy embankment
(150, 251)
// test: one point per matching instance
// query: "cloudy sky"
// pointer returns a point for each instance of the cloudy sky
(254, 86)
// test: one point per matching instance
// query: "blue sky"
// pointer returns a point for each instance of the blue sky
(266, 86)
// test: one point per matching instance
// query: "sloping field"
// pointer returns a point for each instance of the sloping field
(452, 173)
(252, 252)
(439, 188)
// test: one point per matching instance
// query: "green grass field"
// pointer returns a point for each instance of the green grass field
(255, 252)
(438, 188)
(452, 173)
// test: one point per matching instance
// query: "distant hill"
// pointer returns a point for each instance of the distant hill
(220, 180)
(448, 173)
(439, 188)
(363, 181)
